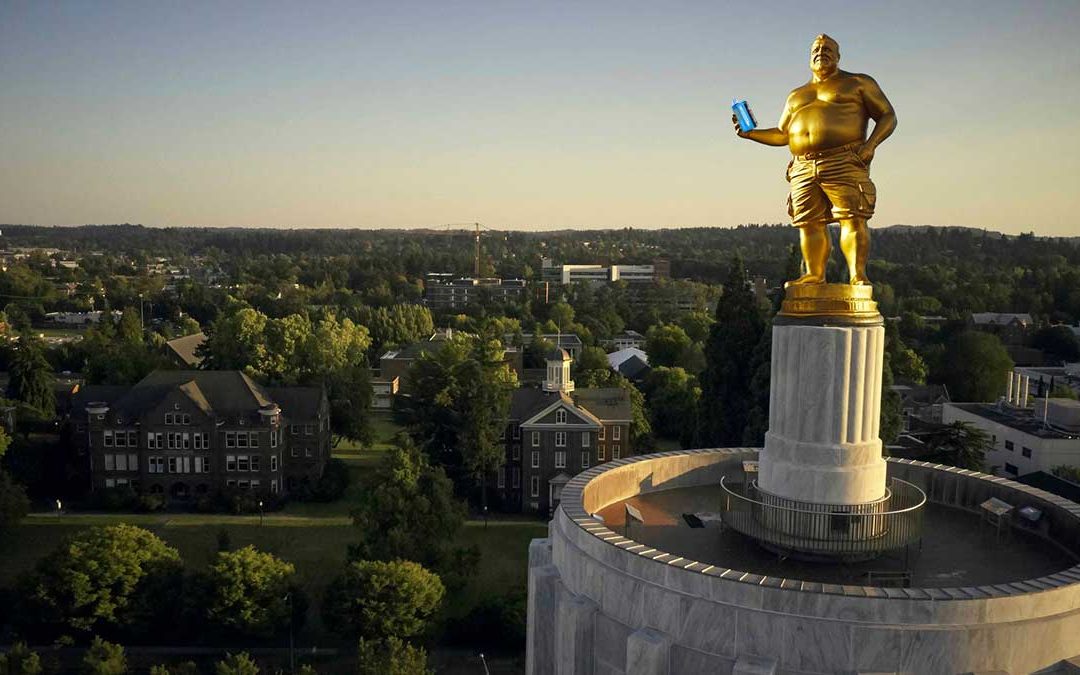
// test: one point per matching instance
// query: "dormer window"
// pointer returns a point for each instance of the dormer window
(560, 416)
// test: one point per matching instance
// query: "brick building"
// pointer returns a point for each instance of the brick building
(186, 433)
(555, 432)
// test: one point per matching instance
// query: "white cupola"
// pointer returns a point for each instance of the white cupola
(558, 372)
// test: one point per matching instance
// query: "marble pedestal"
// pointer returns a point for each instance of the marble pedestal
(822, 447)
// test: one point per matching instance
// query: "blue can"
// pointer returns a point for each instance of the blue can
(744, 115)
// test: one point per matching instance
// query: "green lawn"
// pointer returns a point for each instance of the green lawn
(314, 537)
(316, 546)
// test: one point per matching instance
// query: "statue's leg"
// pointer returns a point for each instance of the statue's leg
(816, 247)
(855, 243)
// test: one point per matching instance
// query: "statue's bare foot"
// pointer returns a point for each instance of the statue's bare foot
(860, 280)
(806, 280)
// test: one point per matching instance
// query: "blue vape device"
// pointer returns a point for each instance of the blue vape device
(744, 115)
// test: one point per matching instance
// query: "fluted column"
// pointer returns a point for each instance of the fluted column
(825, 404)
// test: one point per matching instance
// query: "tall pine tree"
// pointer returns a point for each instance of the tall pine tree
(729, 351)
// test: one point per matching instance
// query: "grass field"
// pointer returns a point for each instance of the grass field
(313, 537)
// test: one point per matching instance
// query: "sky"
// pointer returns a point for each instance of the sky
(519, 115)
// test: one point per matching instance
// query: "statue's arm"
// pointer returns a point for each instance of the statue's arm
(880, 110)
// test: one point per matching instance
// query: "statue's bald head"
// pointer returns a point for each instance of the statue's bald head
(828, 40)
(824, 55)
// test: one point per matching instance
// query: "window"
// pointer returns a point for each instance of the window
(133, 462)
(616, 433)
(616, 451)
(502, 478)
(515, 474)
(309, 429)
(110, 482)
(1009, 446)
(560, 439)
(121, 463)
(600, 453)
(168, 418)
(253, 439)
(536, 439)
(516, 452)
(534, 486)
(110, 462)
(255, 461)
(307, 452)
(1010, 469)
(108, 438)
(230, 462)
(560, 416)
(187, 441)
(120, 439)
(585, 460)
(255, 484)
(243, 484)
(294, 429)
(535, 459)
(150, 445)
(600, 434)
(174, 465)
(560, 459)
(273, 462)
(1026, 451)
(241, 439)
(273, 438)
(517, 433)
(160, 438)
(186, 419)
(133, 439)
(584, 439)
(196, 441)
(295, 452)
(199, 465)
(243, 463)
(230, 483)
(274, 487)
(156, 465)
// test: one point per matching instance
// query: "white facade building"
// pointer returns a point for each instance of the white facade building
(1024, 440)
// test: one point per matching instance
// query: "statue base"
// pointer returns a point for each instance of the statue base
(829, 304)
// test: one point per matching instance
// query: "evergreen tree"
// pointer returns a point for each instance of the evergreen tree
(32, 377)
(19, 660)
(729, 351)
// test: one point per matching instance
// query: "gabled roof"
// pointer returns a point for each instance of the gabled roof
(999, 318)
(184, 348)
(225, 392)
(607, 403)
(616, 359)
(298, 403)
(566, 403)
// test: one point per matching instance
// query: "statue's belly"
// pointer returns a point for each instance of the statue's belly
(820, 126)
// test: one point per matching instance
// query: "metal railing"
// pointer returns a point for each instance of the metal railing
(857, 531)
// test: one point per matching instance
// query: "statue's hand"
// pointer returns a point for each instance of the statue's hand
(865, 154)
(738, 130)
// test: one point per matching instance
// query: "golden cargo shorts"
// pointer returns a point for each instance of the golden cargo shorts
(828, 186)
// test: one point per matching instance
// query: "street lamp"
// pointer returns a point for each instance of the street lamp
(59, 507)
(260, 513)
(484, 661)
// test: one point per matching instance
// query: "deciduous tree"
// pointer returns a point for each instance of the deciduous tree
(110, 576)
(382, 599)
(247, 592)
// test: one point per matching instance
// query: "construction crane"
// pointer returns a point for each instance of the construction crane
(476, 236)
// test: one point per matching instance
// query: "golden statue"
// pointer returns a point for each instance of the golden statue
(824, 124)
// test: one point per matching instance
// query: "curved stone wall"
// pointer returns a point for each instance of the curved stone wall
(601, 603)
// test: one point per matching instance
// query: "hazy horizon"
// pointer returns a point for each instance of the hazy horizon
(520, 116)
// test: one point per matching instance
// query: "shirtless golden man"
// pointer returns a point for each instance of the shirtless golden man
(824, 124)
